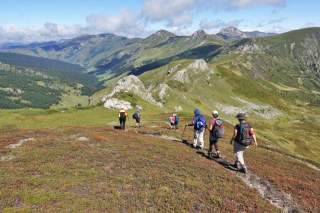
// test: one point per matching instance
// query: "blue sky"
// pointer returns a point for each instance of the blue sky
(40, 20)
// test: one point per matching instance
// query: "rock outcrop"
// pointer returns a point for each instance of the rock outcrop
(114, 103)
(182, 75)
(134, 85)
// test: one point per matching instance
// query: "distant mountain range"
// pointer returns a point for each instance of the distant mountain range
(111, 54)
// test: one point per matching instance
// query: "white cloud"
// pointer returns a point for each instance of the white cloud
(126, 23)
(175, 15)
(159, 10)
(170, 10)
(249, 3)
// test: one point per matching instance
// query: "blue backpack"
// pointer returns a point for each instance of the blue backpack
(177, 120)
(200, 122)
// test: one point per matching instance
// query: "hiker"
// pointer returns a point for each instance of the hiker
(216, 129)
(137, 117)
(199, 124)
(123, 118)
(174, 121)
(242, 138)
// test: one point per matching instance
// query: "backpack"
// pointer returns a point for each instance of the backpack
(135, 116)
(177, 120)
(123, 115)
(218, 130)
(243, 136)
(200, 122)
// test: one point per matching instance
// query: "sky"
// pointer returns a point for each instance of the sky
(45, 20)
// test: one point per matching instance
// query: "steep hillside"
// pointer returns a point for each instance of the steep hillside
(27, 81)
(108, 54)
(275, 83)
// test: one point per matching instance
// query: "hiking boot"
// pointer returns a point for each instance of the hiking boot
(210, 155)
(244, 169)
(236, 165)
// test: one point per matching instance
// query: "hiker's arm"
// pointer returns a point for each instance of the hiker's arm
(233, 136)
(254, 137)
(210, 126)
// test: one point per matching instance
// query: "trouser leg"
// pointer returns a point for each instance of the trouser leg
(200, 139)
(195, 138)
(124, 124)
(240, 158)
(210, 146)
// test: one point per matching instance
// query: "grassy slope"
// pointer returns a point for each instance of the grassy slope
(127, 171)
(295, 131)
(117, 172)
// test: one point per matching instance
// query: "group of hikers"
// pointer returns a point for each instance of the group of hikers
(243, 135)
(123, 114)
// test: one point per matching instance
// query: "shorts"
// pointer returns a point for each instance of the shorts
(213, 139)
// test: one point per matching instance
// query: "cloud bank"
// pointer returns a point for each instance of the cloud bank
(176, 15)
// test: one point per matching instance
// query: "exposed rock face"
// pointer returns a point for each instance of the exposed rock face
(163, 88)
(182, 75)
(114, 103)
(309, 56)
(199, 64)
(263, 111)
(250, 48)
(134, 85)
(232, 33)
(173, 69)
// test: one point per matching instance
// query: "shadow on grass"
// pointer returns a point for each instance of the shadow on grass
(223, 162)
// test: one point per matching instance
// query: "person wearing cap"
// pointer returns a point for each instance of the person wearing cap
(216, 129)
(242, 138)
(123, 118)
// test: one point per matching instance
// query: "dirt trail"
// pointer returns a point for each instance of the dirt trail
(20, 143)
(266, 189)
(14, 146)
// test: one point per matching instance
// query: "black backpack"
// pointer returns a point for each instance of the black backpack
(123, 115)
(243, 135)
(136, 115)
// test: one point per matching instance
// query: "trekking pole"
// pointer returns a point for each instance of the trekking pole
(182, 136)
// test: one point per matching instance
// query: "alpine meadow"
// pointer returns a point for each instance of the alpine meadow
(160, 106)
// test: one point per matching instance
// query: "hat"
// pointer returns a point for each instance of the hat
(215, 112)
(241, 116)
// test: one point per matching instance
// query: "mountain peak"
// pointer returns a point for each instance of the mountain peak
(232, 33)
(163, 34)
(199, 34)
(231, 29)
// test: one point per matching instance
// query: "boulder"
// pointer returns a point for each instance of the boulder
(114, 103)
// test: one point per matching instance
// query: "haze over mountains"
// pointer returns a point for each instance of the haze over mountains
(107, 52)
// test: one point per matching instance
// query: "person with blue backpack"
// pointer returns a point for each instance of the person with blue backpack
(199, 125)
(137, 117)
